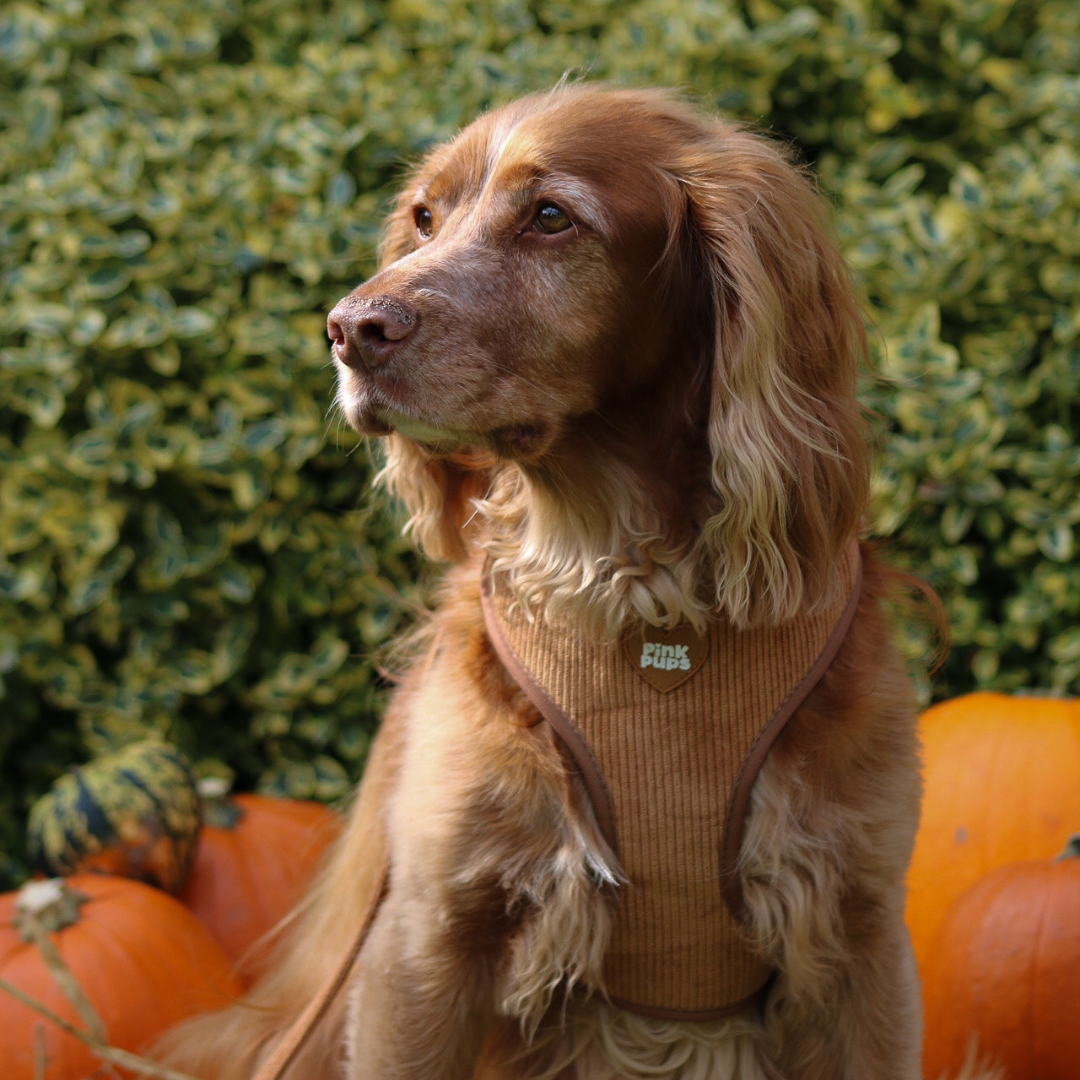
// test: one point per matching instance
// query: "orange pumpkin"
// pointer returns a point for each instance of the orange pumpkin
(1002, 778)
(256, 856)
(1005, 966)
(143, 960)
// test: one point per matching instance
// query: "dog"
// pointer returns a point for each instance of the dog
(612, 354)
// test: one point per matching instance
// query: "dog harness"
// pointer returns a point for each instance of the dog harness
(669, 730)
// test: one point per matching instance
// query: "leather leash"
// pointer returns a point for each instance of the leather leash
(285, 1052)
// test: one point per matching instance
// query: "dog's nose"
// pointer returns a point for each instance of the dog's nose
(365, 331)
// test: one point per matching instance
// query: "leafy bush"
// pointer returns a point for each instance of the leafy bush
(187, 186)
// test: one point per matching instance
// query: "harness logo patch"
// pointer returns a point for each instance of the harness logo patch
(665, 659)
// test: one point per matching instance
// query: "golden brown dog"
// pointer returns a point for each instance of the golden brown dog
(613, 352)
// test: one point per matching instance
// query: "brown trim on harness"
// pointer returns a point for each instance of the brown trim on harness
(693, 1016)
(591, 773)
(759, 751)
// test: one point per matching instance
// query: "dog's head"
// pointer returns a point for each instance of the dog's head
(612, 299)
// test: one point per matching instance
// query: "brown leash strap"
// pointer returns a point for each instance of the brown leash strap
(284, 1053)
(379, 778)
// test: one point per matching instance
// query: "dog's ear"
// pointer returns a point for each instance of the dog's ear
(786, 434)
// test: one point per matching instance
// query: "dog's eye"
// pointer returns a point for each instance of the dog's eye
(550, 219)
(425, 224)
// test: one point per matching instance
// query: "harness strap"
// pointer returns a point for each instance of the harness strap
(589, 768)
(285, 1051)
(751, 765)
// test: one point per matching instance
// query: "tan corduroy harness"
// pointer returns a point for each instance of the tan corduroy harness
(669, 731)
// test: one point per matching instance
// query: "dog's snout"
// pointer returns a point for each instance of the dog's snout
(365, 331)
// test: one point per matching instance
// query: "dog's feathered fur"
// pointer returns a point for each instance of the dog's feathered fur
(640, 406)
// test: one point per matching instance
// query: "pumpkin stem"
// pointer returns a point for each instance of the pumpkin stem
(1072, 849)
(218, 809)
(52, 904)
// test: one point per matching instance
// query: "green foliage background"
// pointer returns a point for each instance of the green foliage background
(186, 186)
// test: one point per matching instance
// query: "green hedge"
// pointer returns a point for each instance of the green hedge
(186, 186)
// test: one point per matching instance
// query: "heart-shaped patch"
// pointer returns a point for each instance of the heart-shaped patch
(665, 659)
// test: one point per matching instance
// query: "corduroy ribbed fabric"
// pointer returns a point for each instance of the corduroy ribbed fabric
(673, 752)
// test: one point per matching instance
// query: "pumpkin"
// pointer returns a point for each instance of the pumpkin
(133, 813)
(142, 959)
(255, 858)
(1002, 784)
(1005, 966)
